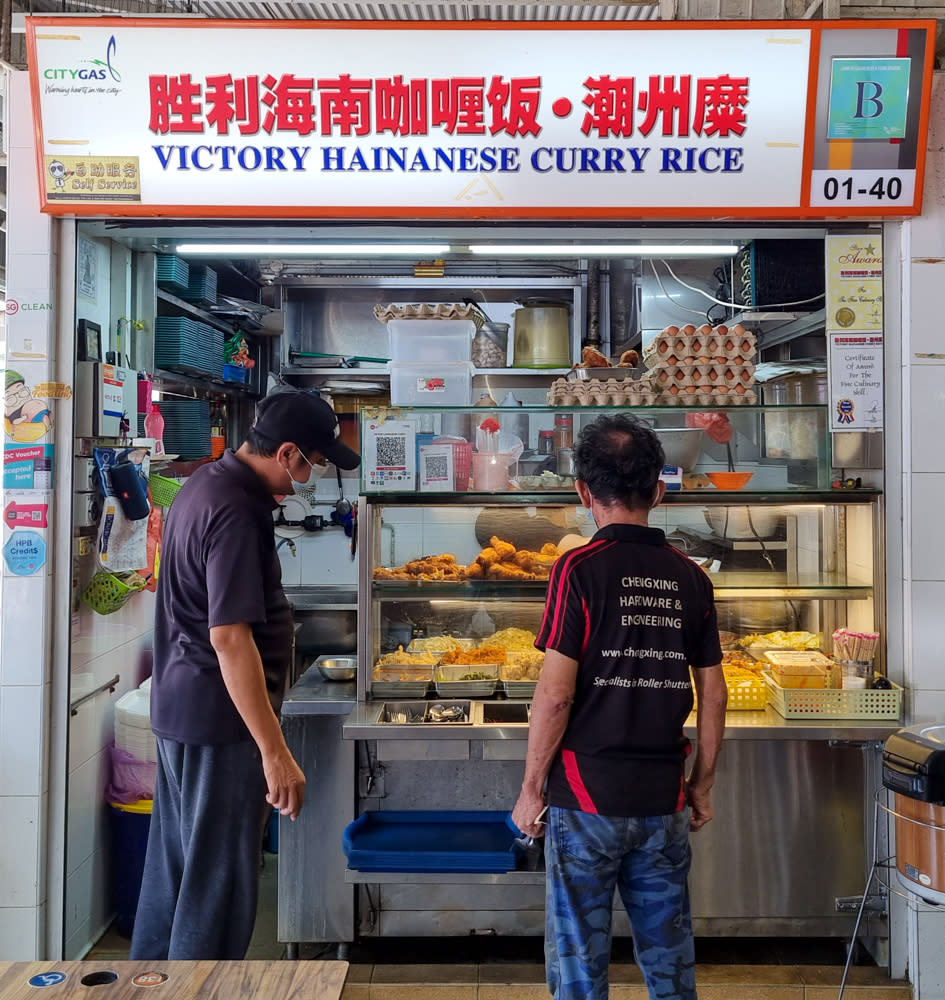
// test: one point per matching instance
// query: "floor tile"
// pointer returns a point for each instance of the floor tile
(356, 991)
(856, 993)
(763, 975)
(625, 974)
(629, 993)
(423, 974)
(858, 975)
(513, 991)
(358, 974)
(412, 991)
(511, 973)
(733, 991)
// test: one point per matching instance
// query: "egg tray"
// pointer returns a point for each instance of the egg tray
(673, 348)
(644, 393)
(726, 375)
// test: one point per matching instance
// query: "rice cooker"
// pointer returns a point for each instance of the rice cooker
(914, 769)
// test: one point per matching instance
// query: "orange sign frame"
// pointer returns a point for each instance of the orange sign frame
(839, 151)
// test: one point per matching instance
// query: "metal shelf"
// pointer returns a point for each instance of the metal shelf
(201, 383)
(195, 311)
(445, 878)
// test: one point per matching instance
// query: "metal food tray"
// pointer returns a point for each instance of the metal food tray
(465, 689)
(418, 713)
(621, 374)
(400, 689)
(519, 689)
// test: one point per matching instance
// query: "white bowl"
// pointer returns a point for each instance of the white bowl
(741, 523)
(682, 446)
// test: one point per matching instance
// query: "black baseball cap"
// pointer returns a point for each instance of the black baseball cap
(308, 422)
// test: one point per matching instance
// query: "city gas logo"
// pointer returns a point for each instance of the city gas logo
(91, 69)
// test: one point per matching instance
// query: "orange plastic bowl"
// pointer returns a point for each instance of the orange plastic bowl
(729, 480)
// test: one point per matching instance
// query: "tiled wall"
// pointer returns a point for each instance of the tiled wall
(923, 479)
(25, 689)
(101, 648)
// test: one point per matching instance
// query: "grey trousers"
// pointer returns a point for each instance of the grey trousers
(201, 872)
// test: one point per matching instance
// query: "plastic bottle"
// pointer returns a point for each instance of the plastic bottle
(518, 424)
(154, 427)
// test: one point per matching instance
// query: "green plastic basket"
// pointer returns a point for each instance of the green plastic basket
(163, 490)
(108, 592)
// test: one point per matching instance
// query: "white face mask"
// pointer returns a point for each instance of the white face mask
(306, 491)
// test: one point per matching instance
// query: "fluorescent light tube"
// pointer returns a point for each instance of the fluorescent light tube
(603, 250)
(313, 249)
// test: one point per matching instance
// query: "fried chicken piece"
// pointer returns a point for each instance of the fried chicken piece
(550, 549)
(504, 550)
(507, 571)
(629, 359)
(384, 574)
(592, 358)
(474, 571)
(416, 567)
(525, 559)
(487, 557)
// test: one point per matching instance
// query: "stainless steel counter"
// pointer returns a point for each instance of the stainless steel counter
(312, 598)
(313, 695)
(362, 724)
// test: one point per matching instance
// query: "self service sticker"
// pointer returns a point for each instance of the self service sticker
(47, 979)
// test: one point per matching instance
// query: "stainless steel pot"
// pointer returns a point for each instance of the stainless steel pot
(565, 462)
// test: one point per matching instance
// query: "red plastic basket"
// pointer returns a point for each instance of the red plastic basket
(462, 461)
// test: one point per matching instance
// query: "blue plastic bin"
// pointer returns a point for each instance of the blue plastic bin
(130, 826)
(442, 841)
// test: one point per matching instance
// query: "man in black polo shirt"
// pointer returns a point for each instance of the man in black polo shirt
(222, 641)
(626, 617)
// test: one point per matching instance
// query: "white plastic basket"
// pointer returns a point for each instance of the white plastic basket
(834, 703)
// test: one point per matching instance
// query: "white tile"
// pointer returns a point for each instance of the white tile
(22, 731)
(90, 729)
(926, 281)
(928, 599)
(326, 558)
(924, 706)
(79, 943)
(291, 564)
(87, 811)
(19, 934)
(928, 527)
(927, 417)
(19, 868)
(78, 906)
(23, 648)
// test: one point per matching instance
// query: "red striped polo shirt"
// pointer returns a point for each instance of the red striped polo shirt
(636, 614)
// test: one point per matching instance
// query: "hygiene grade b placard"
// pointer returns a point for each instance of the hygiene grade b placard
(502, 120)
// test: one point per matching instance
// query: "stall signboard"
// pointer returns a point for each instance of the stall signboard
(642, 120)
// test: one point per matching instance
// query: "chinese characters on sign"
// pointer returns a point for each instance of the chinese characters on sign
(346, 106)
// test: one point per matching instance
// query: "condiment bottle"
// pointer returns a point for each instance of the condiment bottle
(564, 430)
(546, 442)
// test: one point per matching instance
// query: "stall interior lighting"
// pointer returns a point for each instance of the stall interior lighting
(313, 249)
(604, 250)
(429, 250)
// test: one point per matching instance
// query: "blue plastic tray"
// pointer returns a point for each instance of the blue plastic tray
(447, 841)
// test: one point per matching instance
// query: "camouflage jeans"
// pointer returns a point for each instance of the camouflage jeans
(647, 860)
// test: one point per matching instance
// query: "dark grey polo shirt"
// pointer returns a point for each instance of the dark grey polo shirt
(218, 567)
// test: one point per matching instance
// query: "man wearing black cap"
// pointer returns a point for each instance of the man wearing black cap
(222, 640)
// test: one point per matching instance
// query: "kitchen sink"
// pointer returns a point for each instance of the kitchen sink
(504, 713)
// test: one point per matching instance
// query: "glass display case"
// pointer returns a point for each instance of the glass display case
(451, 568)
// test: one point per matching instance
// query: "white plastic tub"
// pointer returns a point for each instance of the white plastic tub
(431, 383)
(427, 340)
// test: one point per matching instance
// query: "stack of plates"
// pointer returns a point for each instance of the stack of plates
(201, 286)
(133, 725)
(186, 427)
(187, 345)
(173, 274)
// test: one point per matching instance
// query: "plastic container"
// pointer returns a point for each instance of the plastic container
(462, 460)
(492, 470)
(833, 703)
(130, 826)
(430, 340)
(446, 841)
(490, 346)
(542, 337)
(431, 383)
(798, 669)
